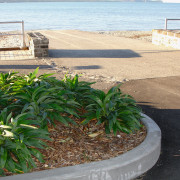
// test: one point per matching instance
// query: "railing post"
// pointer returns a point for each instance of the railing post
(23, 36)
(23, 44)
(166, 23)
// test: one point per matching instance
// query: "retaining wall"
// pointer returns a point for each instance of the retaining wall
(168, 38)
(38, 44)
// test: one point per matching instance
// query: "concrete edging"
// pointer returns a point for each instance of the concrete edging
(124, 167)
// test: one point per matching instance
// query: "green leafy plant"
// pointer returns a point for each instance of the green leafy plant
(42, 95)
(19, 142)
(29, 102)
(47, 104)
(12, 83)
(23, 81)
(5, 99)
(118, 112)
(79, 88)
(6, 80)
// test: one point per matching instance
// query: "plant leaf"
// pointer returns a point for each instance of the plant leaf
(3, 157)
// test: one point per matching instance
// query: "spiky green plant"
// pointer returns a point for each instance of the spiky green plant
(32, 101)
(47, 104)
(79, 88)
(19, 142)
(6, 80)
(118, 112)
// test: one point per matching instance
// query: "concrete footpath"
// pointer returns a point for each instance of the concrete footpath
(109, 56)
(152, 74)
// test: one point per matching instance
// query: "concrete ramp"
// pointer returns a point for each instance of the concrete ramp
(119, 57)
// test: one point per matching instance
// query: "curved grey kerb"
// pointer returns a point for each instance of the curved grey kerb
(124, 167)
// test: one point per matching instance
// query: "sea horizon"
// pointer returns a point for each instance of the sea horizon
(89, 16)
(12, 1)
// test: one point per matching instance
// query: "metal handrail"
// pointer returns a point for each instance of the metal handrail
(22, 30)
(166, 20)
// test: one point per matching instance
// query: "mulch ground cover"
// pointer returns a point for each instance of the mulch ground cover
(77, 145)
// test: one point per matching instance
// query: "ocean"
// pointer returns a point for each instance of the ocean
(90, 16)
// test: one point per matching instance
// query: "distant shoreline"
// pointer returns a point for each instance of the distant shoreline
(18, 1)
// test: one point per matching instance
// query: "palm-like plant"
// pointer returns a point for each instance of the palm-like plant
(18, 143)
(79, 88)
(5, 99)
(6, 80)
(46, 104)
(29, 102)
(118, 112)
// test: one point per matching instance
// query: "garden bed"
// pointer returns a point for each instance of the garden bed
(47, 123)
(125, 166)
(75, 145)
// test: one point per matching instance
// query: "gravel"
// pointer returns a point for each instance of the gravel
(9, 41)
(140, 35)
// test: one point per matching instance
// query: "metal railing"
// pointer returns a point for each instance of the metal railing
(166, 20)
(22, 31)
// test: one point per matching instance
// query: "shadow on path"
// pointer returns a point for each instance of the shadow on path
(160, 100)
(3, 71)
(158, 51)
(93, 53)
(87, 67)
(12, 67)
(168, 165)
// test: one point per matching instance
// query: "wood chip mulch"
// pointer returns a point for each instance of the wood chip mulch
(84, 144)
(77, 145)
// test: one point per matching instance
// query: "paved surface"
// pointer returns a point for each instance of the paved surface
(16, 55)
(122, 58)
(110, 56)
(25, 66)
(160, 99)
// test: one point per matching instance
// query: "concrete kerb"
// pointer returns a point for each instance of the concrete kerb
(124, 167)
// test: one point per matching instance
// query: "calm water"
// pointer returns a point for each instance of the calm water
(90, 16)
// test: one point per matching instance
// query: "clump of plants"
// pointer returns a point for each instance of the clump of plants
(30, 102)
